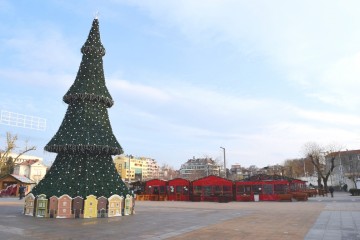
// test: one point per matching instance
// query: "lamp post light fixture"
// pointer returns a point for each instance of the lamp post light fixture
(129, 171)
(224, 161)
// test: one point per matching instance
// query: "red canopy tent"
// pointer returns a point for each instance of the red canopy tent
(297, 185)
(267, 187)
(212, 188)
(178, 189)
(156, 188)
(267, 190)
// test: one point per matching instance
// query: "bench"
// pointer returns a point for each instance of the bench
(285, 197)
(300, 196)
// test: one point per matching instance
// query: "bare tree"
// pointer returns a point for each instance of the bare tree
(289, 169)
(169, 172)
(316, 154)
(11, 147)
(194, 175)
(253, 170)
(220, 162)
(298, 167)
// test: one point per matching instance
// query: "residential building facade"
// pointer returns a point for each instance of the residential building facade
(347, 168)
(237, 172)
(133, 169)
(199, 167)
(32, 169)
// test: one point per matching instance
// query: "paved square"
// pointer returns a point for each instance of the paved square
(318, 218)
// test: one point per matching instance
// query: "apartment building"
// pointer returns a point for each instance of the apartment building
(133, 168)
(199, 167)
(347, 168)
(32, 169)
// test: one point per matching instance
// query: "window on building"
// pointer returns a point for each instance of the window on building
(197, 190)
(178, 189)
(268, 189)
(207, 190)
(280, 188)
(243, 190)
(256, 189)
(218, 190)
(227, 190)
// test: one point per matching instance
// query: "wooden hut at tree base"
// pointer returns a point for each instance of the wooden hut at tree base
(212, 189)
(90, 207)
(53, 207)
(29, 205)
(156, 189)
(128, 205)
(102, 207)
(178, 189)
(41, 206)
(64, 207)
(78, 207)
(267, 188)
(115, 205)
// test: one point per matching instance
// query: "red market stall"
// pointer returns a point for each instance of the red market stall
(297, 185)
(178, 189)
(267, 188)
(155, 190)
(213, 189)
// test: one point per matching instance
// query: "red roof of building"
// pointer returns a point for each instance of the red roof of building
(347, 152)
(29, 162)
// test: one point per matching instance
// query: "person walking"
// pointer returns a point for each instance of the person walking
(21, 192)
(331, 190)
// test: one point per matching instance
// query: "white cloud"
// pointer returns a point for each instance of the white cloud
(340, 83)
(265, 131)
(41, 49)
(346, 120)
(305, 47)
(313, 45)
(137, 90)
(37, 79)
(284, 140)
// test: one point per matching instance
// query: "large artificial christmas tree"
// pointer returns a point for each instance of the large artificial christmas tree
(85, 141)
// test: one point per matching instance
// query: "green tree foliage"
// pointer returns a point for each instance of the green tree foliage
(85, 141)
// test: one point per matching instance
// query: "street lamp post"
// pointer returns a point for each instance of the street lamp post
(224, 161)
(341, 171)
(129, 172)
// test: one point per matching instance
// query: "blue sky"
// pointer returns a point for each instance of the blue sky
(260, 78)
